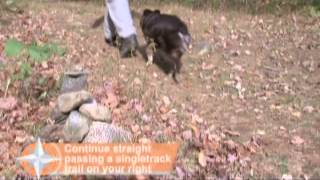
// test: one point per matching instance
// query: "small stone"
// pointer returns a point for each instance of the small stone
(76, 127)
(51, 133)
(101, 132)
(74, 80)
(57, 115)
(308, 109)
(70, 101)
(76, 70)
(247, 52)
(95, 111)
(187, 135)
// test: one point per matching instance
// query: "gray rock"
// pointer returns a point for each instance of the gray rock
(76, 127)
(95, 111)
(74, 80)
(106, 133)
(72, 100)
(57, 115)
(51, 133)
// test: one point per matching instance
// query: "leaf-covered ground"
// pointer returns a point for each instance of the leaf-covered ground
(247, 106)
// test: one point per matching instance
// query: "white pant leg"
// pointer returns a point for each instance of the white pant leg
(108, 27)
(120, 15)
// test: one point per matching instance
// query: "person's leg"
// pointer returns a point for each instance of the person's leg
(120, 16)
(109, 29)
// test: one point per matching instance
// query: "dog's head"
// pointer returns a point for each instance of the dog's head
(147, 15)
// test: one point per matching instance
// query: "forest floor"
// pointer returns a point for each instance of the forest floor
(247, 105)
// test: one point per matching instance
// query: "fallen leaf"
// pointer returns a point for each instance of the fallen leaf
(180, 172)
(230, 145)
(195, 130)
(166, 100)
(232, 158)
(197, 118)
(163, 109)
(308, 109)
(261, 132)
(187, 135)
(296, 140)
(20, 140)
(207, 66)
(144, 140)
(137, 106)
(8, 104)
(231, 133)
(286, 177)
(141, 177)
(137, 81)
(296, 114)
(202, 159)
(112, 101)
(135, 128)
(282, 128)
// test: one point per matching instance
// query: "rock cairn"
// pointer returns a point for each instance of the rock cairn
(79, 118)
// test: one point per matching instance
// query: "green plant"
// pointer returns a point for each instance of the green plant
(283, 164)
(35, 52)
(41, 53)
(13, 48)
(314, 11)
(24, 72)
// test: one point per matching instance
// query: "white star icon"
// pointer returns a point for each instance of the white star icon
(38, 159)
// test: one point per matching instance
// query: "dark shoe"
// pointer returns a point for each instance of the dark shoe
(112, 41)
(128, 46)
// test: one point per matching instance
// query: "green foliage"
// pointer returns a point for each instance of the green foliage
(314, 11)
(40, 53)
(10, 6)
(283, 164)
(37, 53)
(24, 72)
(13, 48)
(56, 49)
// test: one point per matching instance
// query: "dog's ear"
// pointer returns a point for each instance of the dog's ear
(146, 12)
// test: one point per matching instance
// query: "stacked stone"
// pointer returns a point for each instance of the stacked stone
(79, 118)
